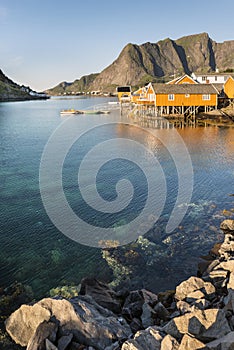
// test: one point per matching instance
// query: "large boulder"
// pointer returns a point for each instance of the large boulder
(90, 323)
(22, 324)
(205, 325)
(227, 225)
(224, 343)
(194, 288)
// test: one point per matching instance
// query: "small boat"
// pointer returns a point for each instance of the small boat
(86, 111)
(92, 111)
(70, 111)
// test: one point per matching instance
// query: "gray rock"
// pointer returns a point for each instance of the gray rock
(191, 343)
(149, 297)
(218, 274)
(227, 225)
(226, 250)
(132, 345)
(193, 296)
(186, 287)
(22, 323)
(204, 325)
(226, 265)
(224, 343)
(64, 341)
(195, 285)
(148, 315)
(101, 293)
(231, 323)
(161, 311)
(49, 345)
(209, 290)
(183, 307)
(136, 325)
(201, 304)
(149, 339)
(229, 301)
(90, 326)
(209, 324)
(74, 346)
(45, 330)
(169, 343)
(132, 307)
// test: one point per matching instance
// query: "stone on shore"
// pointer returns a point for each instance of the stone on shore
(22, 323)
(227, 225)
(224, 343)
(186, 289)
(45, 330)
(205, 325)
(101, 293)
(191, 343)
(89, 323)
(149, 339)
(169, 343)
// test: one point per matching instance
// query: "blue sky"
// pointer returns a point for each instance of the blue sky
(45, 42)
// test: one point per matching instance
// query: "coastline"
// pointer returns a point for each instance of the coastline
(199, 314)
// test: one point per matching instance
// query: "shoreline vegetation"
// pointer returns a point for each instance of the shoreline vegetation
(198, 314)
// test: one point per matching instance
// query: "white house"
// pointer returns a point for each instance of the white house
(211, 78)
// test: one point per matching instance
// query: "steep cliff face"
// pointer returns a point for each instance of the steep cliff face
(162, 60)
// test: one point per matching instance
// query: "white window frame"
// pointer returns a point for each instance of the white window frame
(206, 97)
(171, 97)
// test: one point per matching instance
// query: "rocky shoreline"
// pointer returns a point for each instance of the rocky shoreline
(199, 314)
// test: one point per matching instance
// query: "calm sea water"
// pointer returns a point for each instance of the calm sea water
(34, 251)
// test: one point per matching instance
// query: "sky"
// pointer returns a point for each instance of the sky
(43, 43)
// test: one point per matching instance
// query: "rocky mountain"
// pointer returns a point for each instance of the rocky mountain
(139, 64)
(10, 91)
(158, 62)
(78, 86)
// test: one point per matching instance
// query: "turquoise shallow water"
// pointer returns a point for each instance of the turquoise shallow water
(34, 251)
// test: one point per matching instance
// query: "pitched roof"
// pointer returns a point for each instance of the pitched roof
(184, 89)
(218, 86)
(177, 80)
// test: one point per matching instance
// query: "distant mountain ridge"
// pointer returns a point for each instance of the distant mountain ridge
(10, 91)
(161, 61)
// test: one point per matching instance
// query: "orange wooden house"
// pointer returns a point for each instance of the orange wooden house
(144, 95)
(229, 88)
(178, 95)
